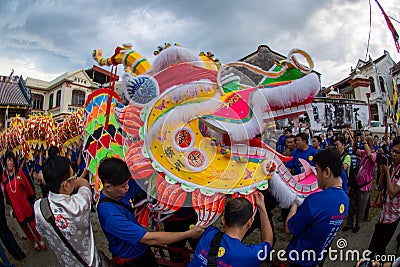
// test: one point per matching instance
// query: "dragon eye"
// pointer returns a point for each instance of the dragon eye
(140, 90)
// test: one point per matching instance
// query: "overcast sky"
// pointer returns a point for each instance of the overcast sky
(43, 39)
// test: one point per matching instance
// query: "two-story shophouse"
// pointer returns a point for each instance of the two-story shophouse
(370, 81)
(67, 93)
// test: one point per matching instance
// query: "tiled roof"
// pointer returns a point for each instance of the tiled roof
(11, 94)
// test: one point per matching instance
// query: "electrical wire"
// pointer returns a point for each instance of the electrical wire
(394, 19)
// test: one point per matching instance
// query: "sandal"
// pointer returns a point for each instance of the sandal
(43, 245)
(37, 246)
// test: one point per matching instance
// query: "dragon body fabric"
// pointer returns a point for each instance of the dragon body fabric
(197, 124)
(103, 137)
(25, 136)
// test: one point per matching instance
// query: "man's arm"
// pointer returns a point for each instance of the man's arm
(290, 164)
(84, 173)
(165, 238)
(375, 264)
(81, 182)
(281, 144)
(385, 135)
(355, 142)
(366, 147)
(40, 158)
(392, 190)
(267, 235)
(345, 166)
(346, 162)
(292, 212)
(310, 132)
(396, 127)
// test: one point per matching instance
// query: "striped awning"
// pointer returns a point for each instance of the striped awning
(11, 94)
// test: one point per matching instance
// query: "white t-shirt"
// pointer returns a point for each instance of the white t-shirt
(72, 216)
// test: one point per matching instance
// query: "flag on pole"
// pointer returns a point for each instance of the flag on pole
(391, 27)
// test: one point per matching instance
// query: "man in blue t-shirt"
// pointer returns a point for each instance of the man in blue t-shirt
(281, 145)
(315, 223)
(237, 219)
(303, 151)
(127, 240)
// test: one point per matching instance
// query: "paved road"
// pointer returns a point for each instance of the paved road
(357, 242)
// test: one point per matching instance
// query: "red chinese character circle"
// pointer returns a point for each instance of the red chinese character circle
(183, 138)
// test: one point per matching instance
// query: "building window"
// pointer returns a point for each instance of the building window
(37, 101)
(372, 85)
(78, 98)
(382, 84)
(51, 101)
(374, 112)
(58, 98)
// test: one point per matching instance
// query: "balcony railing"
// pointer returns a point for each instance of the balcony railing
(73, 109)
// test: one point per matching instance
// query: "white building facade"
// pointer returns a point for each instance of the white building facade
(65, 94)
(370, 81)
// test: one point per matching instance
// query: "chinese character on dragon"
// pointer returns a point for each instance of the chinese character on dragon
(191, 128)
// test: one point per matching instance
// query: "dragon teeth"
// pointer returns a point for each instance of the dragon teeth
(292, 183)
(234, 149)
(242, 149)
(306, 188)
(314, 186)
(252, 150)
(299, 187)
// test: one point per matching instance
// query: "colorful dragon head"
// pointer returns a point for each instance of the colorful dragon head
(199, 123)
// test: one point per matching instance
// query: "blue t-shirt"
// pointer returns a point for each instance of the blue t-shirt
(376, 147)
(232, 252)
(307, 155)
(38, 167)
(280, 146)
(121, 227)
(315, 224)
(27, 167)
(324, 144)
(74, 155)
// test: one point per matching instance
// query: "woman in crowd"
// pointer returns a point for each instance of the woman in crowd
(20, 194)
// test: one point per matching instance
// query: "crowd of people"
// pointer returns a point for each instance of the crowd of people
(345, 163)
(18, 178)
(364, 157)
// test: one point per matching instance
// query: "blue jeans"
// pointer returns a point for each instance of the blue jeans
(4, 258)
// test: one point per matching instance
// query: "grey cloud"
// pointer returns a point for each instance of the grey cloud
(63, 33)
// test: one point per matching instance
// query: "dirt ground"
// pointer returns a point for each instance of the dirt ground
(358, 241)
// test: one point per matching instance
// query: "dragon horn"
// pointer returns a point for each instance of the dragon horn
(126, 56)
